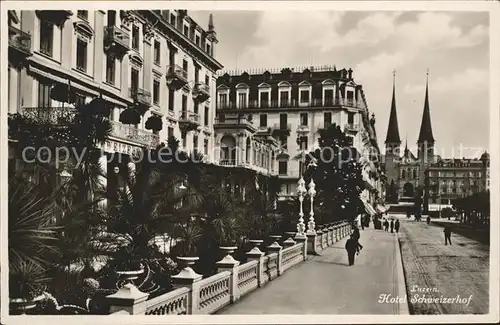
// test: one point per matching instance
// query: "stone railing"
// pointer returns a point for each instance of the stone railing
(194, 295)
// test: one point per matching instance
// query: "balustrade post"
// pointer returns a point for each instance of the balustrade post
(228, 263)
(187, 277)
(289, 242)
(325, 237)
(320, 237)
(302, 240)
(257, 255)
(276, 248)
(311, 243)
(128, 298)
(330, 235)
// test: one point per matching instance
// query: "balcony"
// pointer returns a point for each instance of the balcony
(228, 162)
(238, 121)
(130, 133)
(142, 99)
(116, 41)
(282, 129)
(49, 116)
(352, 127)
(189, 121)
(264, 131)
(58, 17)
(276, 104)
(303, 129)
(201, 92)
(176, 77)
(19, 44)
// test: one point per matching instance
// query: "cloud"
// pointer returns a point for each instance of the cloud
(469, 80)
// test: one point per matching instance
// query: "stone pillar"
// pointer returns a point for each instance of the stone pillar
(289, 242)
(311, 243)
(228, 263)
(302, 239)
(257, 255)
(320, 237)
(99, 57)
(128, 298)
(187, 277)
(330, 235)
(276, 248)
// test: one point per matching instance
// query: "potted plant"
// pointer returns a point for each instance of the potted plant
(130, 116)
(154, 123)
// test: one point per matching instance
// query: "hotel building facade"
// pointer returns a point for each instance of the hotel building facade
(160, 61)
(287, 108)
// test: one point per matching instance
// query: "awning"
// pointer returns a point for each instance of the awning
(369, 209)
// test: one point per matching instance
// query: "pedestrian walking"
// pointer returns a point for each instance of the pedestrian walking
(392, 226)
(386, 225)
(356, 235)
(351, 247)
(396, 225)
(428, 220)
(447, 235)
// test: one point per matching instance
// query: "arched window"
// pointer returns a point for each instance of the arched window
(403, 174)
(414, 173)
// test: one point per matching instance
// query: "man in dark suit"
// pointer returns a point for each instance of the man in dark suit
(351, 247)
(447, 235)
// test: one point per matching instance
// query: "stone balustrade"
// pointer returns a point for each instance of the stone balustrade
(194, 295)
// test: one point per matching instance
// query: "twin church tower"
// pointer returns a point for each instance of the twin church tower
(403, 168)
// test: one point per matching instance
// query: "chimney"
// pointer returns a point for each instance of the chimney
(349, 73)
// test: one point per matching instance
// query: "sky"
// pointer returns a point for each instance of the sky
(454, 46)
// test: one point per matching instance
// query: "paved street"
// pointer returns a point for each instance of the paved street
(327, 285)
(460, 269)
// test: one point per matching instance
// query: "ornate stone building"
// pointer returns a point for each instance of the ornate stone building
(285, 109)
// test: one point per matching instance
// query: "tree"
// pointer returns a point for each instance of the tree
(337, 175)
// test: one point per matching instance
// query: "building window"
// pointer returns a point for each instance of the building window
(171, 100)
(44, 93)
(328, 96)
(157, 52)
(46, 37)
(264, 99)
(303, 142)
(207, 113)
(242, 100)
(197, 40)
(208, 49)
(135, 38)
(195, 141)
(222, 118)
(196, 107)
(170, 131)
(184, 103)
(303, 119)
(134, 82)
(185, 66)
(186, 30)
(81, 55)
(415, 173)
(172, 19)
(403, 175)
(283, 121)
(327, 117)
(263, 120)
(284, 98)
(350, 118)
(222, 100)
(304, 96)
(83, 14)
(80, 100)
(282, 167)
(156, 92)
(110, 70)
(207, 80)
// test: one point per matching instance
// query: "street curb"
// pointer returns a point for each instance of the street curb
(403, 306)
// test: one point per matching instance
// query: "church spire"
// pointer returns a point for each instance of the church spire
(393, 129)
(426, 127)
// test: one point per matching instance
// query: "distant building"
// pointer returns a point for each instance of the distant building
(441, 179)
(287, 108)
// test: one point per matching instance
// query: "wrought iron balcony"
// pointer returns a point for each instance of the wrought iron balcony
(189, 121)
(130, 133)
(277, 104)
(201, 92)
(116, 41)
(282, 129)
(19, 43)
(142, 99)
(227, 162)
(176, 77)
(58, 17)
(235, 121)
(53, 116)
(303, 129)
(352, 127)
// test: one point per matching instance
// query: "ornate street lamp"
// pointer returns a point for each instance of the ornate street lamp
(301, 192)
(312, 192)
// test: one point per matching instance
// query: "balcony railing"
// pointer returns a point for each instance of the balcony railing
(235, 120)
(49, 115)
(130, 133)
(352, 127)
(201, 91)
(187, 116)
(19, 40)
(116, 41)
(255, 104)
(282, 129)
(303, 128)
(227, 162)
(176, 76)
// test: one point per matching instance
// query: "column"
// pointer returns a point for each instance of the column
(99, 57)
(14, 94)
(68, 51)
(147, 68)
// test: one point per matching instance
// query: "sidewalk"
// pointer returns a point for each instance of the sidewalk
(327, 285)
